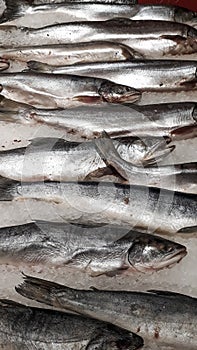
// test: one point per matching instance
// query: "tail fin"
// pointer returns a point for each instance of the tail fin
(14, 9)
(40, 290)
(7, 189)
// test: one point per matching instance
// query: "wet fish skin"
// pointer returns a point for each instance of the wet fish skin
(24, 327)
(96, 251)
(160, 317)
(145, 75)
(70, 54)
(52, 92)
(151, 39)
(100, 10)
(108, 203)
(58, 160)
(86, 123)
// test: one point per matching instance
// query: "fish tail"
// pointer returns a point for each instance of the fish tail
(14, 9)
(39, 66)
(40, 290)
(7, 188)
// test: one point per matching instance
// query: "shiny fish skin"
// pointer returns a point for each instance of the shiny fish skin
(96, 251)
(106, 203)
(70, 54)
(91, 10)
(58, 160)
(62, 91)
(29, 328)
(152, 39)
(144, 75)
(86, 123)
(157, 316)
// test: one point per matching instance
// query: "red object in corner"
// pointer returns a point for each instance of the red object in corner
(189, 4)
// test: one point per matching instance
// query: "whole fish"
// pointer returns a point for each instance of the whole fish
(145, 75)
(86, 123)
(152, 39)
(157, 316)
(96, 251)
(182, 177)
(73, 11)
(62, 91)
(24, 328)
(90, 203)
(70, 54)
(59, 160)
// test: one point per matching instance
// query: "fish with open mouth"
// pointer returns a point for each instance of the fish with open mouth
(151, 39)
(144, 75)
(69, 11)
(87, 122)
(50, 91)
(69, 54)
(95, 251)
(24, 327)
(58, 160)
(158, 316)
(96, 203)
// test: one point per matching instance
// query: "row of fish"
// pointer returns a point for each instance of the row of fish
(160, 316)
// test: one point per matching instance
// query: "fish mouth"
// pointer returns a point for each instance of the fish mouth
(168, 261)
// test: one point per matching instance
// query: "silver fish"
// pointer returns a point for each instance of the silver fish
(96, 251)
(29, 328)
(50, 91)
(73, 11)
(86, 123)
(151, 39)
(144, 75)
(107, 203)
(182, 177)
(157, 316)
(58, 160)
(70, 54)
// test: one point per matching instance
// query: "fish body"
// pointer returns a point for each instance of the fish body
(144, 75)
(96, 251)
(52, 92)
(58, 160)
(24, 327)
(69, 11)
(87, 122)
(151, 39)
(157, 316)
(70, 54)
(108, 203)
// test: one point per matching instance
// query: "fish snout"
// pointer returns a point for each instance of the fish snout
(116, 93)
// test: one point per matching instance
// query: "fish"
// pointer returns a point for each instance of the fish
(151, 39)
(68, 11)
(181, 177)
(70, 54)
(93, 203)
(95, 251)
(58, 160)
(25, 327)
(157, 316)
(144, 75)
(51, 92)
(87, 122)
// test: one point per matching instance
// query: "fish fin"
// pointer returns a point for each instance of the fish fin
(6, 187)
(189, 229)
(39, 66)
(167, 293)
(14, 9)
(184, 133)
(4, 64)
(87, 99)
(47, 142)
(108, 153)
(9, 303)
(157, 153)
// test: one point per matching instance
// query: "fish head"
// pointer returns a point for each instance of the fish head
(113, 338)
(116, 93)
(183, 15)
(153, 253)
